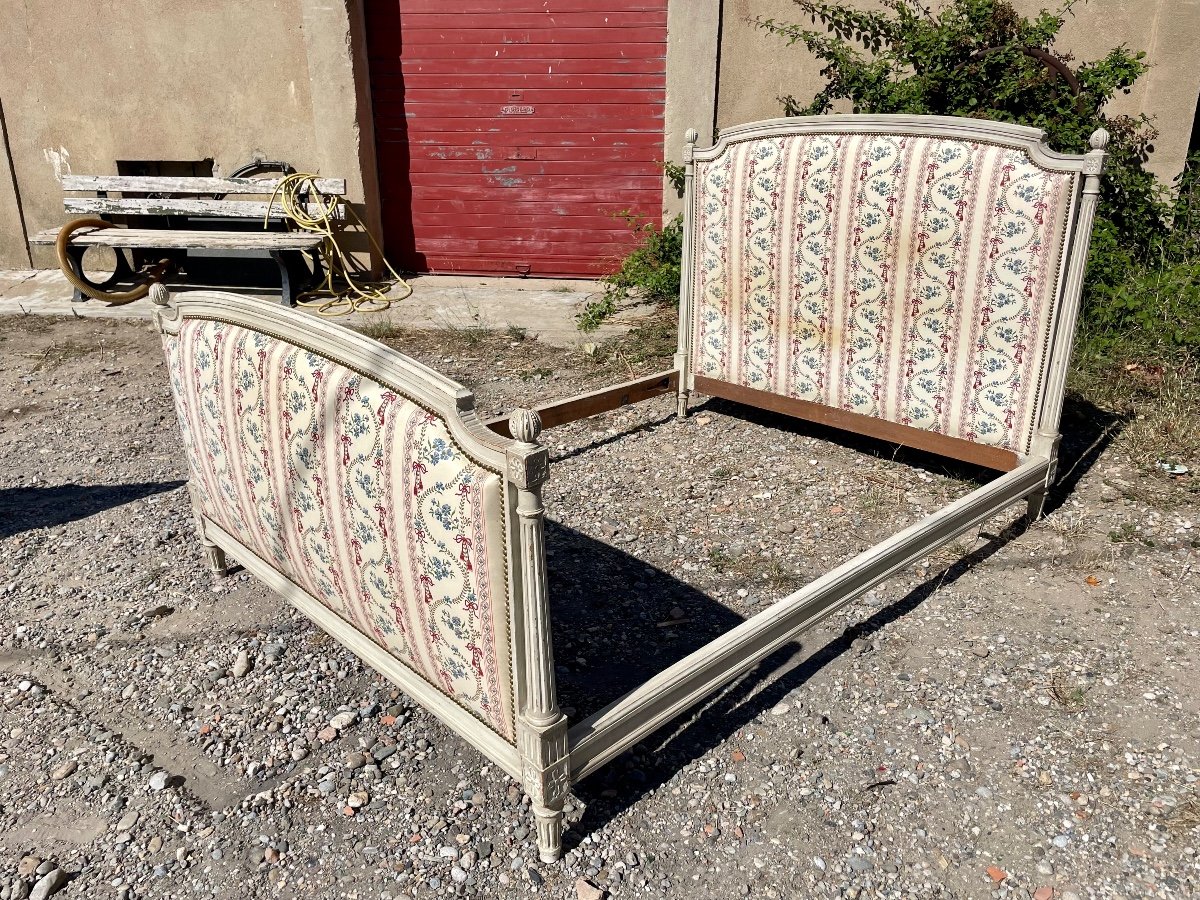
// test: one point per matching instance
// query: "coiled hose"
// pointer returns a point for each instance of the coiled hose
(96, 292)
(342, 291)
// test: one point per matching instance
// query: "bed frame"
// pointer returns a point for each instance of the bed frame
(916, 279)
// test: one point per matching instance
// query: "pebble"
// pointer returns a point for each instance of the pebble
(27, 866)
(48, 884)
(64, 771)
(343, 720)
(241, 665)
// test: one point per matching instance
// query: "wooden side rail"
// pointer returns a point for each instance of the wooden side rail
(956, 448)
(560, 412)
(623, 723)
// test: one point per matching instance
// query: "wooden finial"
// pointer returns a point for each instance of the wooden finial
(1099, 139)
(159, 295)
(525, 425)
(691, 136)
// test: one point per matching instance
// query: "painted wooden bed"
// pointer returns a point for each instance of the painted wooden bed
(912, 278)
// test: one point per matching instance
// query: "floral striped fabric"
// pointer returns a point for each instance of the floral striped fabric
(357, 495)
(911, 279)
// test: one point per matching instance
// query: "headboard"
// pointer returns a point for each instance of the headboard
(347, 468)
(902, 276)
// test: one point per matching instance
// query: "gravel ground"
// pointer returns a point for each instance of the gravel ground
(1015, 717)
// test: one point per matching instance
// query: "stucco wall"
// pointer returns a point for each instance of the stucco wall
(757, 68)
(86, 84)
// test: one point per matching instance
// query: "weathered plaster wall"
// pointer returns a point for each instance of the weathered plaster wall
(86, 84)
(758, 68)
(693, 34)
(14, 251)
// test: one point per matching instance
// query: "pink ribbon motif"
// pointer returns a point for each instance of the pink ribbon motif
(476, 657)
(465, 554)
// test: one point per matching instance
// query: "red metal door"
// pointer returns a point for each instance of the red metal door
(512, 134)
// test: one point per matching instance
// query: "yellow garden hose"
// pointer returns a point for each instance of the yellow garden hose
(114, 298)
(343, 291)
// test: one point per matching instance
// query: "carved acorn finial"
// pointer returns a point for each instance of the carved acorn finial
(1099, 139)
(159, 295)
(525, 425)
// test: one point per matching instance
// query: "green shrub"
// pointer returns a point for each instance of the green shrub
(650, 272)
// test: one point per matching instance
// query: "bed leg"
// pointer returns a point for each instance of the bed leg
(549, 832)
(681, 408)
(214, 554)
(546, 777)
(1035, 503)
(216, 559)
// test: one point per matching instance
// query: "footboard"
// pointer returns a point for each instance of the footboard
(362, 486)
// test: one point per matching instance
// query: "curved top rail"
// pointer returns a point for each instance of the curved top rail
(1018, 137)
(426, 387)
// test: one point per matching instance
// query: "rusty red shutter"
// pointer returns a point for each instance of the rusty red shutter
(512, 134)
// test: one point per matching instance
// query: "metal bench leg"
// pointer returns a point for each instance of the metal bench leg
(75, 255)
(285, 260)
(121, 271)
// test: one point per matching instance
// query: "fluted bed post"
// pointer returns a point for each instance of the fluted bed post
(683, 353)
(541, 726)
(1046, 440)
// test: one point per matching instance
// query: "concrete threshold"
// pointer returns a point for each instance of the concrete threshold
(543, 308)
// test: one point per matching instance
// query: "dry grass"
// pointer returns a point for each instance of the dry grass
(1186, 815)
(1158, 399)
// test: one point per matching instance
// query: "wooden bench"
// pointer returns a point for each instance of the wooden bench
(199, 204)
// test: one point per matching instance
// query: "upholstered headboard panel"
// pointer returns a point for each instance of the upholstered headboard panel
(907, 277)
(358, 495)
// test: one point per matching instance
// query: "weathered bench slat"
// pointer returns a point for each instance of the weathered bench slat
(240, 209)
(162, 239)
(153, 184)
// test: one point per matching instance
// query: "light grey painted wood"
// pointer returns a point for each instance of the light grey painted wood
(1022, 137)
(1067, 312)
(186, 240)
(623, 723)
(155, 184)
(238, 209)
(541, 726)
(683, 352)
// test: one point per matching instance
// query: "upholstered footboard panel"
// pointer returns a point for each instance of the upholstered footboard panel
(358, 495)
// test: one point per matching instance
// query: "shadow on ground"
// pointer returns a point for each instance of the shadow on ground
(652, 763)
(609, 606)
(27, 509)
